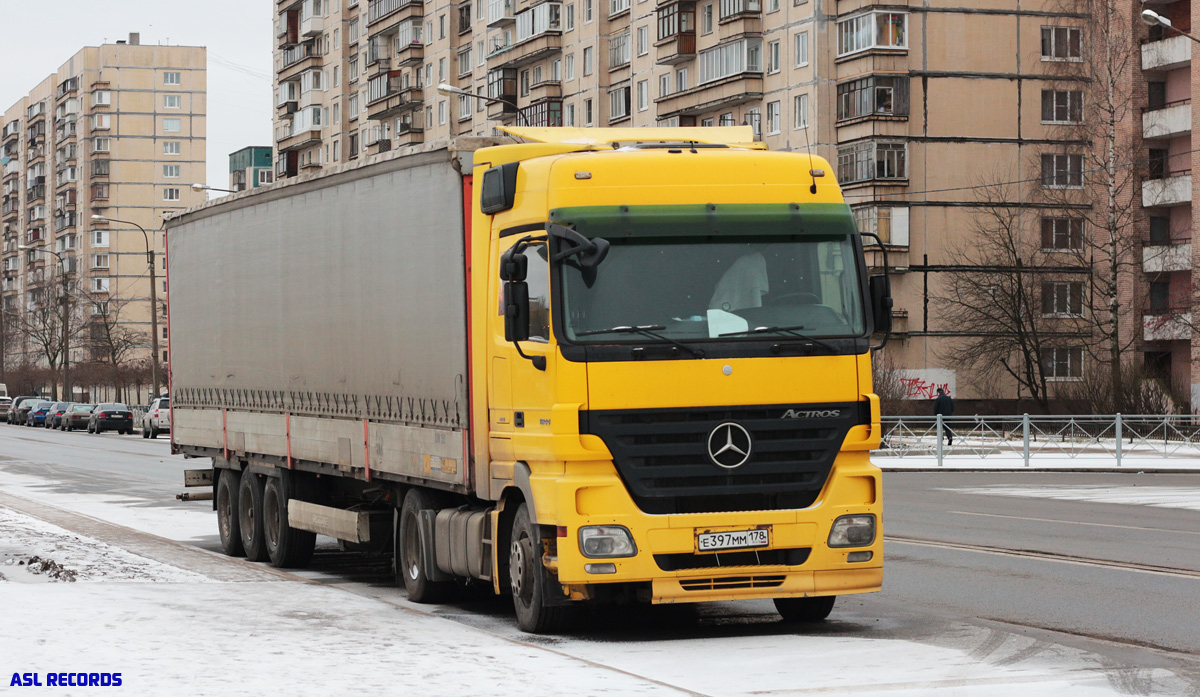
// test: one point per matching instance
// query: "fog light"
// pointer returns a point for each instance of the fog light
(852, 531)
(608, 568)
(606, 541)
(859, 556)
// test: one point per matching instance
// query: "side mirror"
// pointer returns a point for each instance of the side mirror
(514, 265)
(880, 289)
(516, 310)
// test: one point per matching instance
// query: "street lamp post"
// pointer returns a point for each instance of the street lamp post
(66, 323)
(153, 298)
(1154, 19)
(448, 90)
(205, 187)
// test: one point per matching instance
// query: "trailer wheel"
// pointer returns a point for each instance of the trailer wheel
(250, 516)
(525, 578)
(410, 565)
(805, 609)
(287, 547)
(227, 513)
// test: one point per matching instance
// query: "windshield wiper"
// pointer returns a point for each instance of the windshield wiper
(784, 330)
(648, 330)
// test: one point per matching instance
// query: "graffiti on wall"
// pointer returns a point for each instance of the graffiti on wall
(924, 384)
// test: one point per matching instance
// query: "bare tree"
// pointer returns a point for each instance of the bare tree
(1095, 178)
(1008, 300)
(112, 341)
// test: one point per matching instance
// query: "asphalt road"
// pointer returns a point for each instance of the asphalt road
(1006, 578)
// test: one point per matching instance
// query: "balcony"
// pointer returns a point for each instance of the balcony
(383, 15)
(1173, 190)
(299, 58)
(547, 89)
(299, 139)
(410, 132)
(1162, 258)
(530, 50)
(1167, 54)
(311, 25)
(412, 53)
(1170, 121)
(676, 49)
(501, 13)
(735, 89)
(1168, 326)
(387, 97)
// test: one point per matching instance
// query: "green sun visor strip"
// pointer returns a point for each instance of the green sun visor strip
(721, 219)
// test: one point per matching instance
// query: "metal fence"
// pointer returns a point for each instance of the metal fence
(1116, 437)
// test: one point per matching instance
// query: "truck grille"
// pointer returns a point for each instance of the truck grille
(714, 560)
(663, 457)
(730, 583)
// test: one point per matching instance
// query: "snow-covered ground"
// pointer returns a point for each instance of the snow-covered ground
(1161, 496)
(958, 459)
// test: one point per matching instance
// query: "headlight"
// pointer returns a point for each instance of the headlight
(852, 531)
(606, 541)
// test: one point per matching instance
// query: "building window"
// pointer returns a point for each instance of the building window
(1062, 171)
(171, 171)
(773, 117)
(618, 103)
(733, 58)
(618, 50)
(773, 56)
(872, 96)
(172, 125)
(265, 176)
(1063, 363)
(587, 61)
(727, 9)
(675, 20)
(587, 112)
(664, 85)
(570, 66)
(890, 223)
(643, 95)
(1062, 106)
(872, 30)
(1062, 43)
(800, 111)
(100, 261)
(171, 147)
(171, 78)
(643, 40)
(570, 114)
(101, 144)
(101, 122)
(681, 79)
(706, 19)
(102, 98)
(442, 113)
(171, 194)
(570, 17)
(616, 7)
(754, 121)
(872, 160)
(800, 48)
(99, 285)
(1062, 233)
(1062, 299)
(172, 101)
(464, 61)
(587, 11)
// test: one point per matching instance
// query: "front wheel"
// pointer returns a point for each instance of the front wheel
(805, 609)
(525, 571)
(410, 563)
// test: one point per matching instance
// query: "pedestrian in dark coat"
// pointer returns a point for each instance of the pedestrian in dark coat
(943, 406)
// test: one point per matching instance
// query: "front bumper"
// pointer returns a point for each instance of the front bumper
(593, 494)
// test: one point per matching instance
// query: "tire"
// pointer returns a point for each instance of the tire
(145, 433)
(287, 547)
(228, 524)
(525, 579)
(409, 564)
(250, 516)
(805, 609)
(153, 431)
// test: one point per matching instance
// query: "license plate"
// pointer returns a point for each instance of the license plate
(732, 539)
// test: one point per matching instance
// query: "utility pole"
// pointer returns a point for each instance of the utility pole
(153, 299)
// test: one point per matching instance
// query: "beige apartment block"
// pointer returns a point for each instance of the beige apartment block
(914, 105)
(117, 131)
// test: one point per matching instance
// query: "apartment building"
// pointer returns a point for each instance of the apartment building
(117, 131)
(251, 167)
(915, 105)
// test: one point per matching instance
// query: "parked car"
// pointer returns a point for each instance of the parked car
(54, 416)
(20, 409)
(111, 417)
(77, 417)
(157, 418)
(5, 407)
(37, 413)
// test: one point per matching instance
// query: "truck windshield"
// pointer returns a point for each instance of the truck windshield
(758, 277)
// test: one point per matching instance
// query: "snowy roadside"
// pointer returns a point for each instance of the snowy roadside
(1039, 463)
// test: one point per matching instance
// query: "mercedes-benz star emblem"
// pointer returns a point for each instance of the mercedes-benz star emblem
(729, 445)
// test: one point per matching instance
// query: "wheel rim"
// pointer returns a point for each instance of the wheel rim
(271, 519)
(247, 513)
(412, 548)
(519, 567)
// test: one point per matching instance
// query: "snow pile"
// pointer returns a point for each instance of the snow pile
(33, 551)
